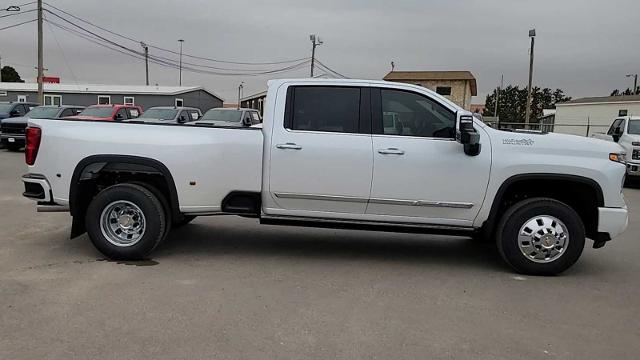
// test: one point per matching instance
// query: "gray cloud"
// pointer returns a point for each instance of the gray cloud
(584, 47)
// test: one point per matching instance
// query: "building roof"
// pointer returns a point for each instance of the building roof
(105, 89)
(261, 94)
(433, 75)
(602, 100)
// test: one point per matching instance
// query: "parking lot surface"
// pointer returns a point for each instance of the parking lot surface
(229, 288)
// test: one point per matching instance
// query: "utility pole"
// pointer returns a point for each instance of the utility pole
(315, 40)
(532, 35)
(0, 68)
(181, 41)
(495, 108)
(635, 83)
(146, 61)
(240, 93)
(393, 66)
(40, 56)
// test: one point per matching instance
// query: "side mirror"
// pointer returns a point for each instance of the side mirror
(14, 113)
(182, 120)
(466, 134)
(118, 117)
(246, 122)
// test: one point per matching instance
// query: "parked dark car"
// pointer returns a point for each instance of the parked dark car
(14, 109)
(13, 129)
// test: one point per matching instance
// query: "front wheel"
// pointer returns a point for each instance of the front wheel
(126, 222)
(540, 236)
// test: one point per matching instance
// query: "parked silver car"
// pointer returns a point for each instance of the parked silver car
(230, 117)
(170, 114)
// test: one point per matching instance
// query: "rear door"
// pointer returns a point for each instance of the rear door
(321, 159)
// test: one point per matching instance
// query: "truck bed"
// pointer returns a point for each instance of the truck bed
(192, 154)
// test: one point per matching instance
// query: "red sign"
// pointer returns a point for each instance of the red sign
(51, 79)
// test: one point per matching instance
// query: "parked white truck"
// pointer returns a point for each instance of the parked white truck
(335, 153)
(626, 132)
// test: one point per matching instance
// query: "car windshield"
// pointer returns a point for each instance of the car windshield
(4, 108)
(634, 127)
(162, 114)
(43, 112)
(222, 115)
(98, 111)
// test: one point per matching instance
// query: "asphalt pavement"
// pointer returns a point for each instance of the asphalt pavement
(228, 288)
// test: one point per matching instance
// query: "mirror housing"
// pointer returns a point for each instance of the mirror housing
(466, 134)
(246, 121)
(181, 120)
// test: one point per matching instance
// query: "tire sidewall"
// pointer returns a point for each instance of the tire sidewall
(514, 218)
(149, 205)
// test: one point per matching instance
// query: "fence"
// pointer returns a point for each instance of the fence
(579, 126)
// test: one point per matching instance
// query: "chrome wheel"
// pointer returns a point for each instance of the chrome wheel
(543, 239)
(122, 223)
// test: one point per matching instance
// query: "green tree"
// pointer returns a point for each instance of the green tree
(628, 91)
(513, 101)
(9, 74)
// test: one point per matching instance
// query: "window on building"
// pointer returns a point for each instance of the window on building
(104, 99)
(22, 98)
(444, 90)
(409, 114)
(331, 109)
(55, 100)
(129, 100)
(179, 102)
(623, 112)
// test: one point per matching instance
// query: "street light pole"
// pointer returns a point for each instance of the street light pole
(315, 40)
(532, 35)
(635, 83)
(146, 61)
(240, 93)
(40, 56)
(181, 41)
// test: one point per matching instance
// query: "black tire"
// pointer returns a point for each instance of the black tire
(151, 208)
(165, 205)
(13, 147)
(516, 216)
(185, 220)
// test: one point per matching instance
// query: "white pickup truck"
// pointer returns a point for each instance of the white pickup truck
(335, 153)
(626, 132)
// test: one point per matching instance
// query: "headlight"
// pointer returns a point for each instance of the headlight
(620, 157)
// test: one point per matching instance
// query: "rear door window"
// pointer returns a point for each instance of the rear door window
(325, 108)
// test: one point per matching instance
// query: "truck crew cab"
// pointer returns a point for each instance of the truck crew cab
(345, 153)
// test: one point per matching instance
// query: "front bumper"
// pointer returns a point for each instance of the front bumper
(612, 221)
(9, 139)
(633, 168)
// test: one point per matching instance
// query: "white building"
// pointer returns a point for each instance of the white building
(594, 114)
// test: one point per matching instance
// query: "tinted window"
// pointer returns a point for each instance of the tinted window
(410, 114)
(121, 114)
(332, 109)
(162, 114)
(184, 115)
(255, 117)
(68, 112)
(21, 109)
(222, 115)
(99, 111)
(615, 124)
(634, 127)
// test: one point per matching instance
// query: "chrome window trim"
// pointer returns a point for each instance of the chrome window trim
(427, 203)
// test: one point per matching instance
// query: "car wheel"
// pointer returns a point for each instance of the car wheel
(540, 236)
(185, 220)
(126, 222)
(13, 147)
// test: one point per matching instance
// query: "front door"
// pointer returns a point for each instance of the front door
(321, 159)
(421, 173)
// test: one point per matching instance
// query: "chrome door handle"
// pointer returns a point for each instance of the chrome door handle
(391, 151)
(291, 146)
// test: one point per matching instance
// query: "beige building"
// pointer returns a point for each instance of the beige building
(457, 86)
(586, 116)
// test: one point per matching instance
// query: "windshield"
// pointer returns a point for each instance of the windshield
(634, 127)
(4, 108)
(42, 112)
(97, 111)
(162, 114)
(222, 115)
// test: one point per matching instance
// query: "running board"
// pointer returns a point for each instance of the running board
(366, 225)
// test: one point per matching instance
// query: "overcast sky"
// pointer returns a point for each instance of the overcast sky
(584, 47)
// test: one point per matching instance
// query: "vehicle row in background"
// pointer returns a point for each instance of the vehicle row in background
(114, 112)
(12, 132)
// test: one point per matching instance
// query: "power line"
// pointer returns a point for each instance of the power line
(325, 67)
(18, 13)
(172, 51)
(64, 57)
(18, 24)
